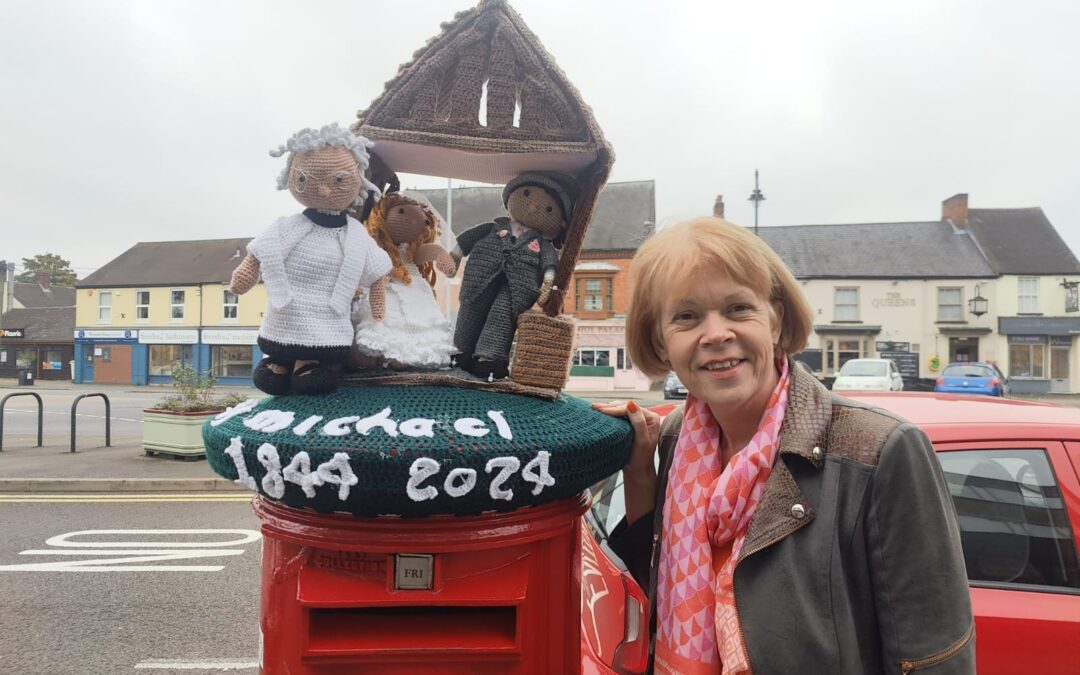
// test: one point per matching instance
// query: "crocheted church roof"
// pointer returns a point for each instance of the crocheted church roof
(483, 100)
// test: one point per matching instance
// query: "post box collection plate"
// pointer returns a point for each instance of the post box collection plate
(415, 451)
(413, 571)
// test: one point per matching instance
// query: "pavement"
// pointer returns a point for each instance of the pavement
(123, 466)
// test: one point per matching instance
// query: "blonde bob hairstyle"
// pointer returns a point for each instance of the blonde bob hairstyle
(701, 248)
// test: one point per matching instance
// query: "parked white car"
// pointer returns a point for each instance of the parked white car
(868, 375)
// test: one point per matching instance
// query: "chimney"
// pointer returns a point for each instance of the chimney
(43, 280)
(718, 206)
(955, 210)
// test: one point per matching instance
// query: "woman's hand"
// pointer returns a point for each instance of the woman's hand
(646, 426)
(639, 474)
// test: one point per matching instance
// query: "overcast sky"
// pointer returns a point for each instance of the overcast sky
(150, 120)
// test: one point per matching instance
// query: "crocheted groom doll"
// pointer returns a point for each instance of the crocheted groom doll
(313, 263)
(511, 267)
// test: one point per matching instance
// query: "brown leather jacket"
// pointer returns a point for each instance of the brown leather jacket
(852, 562)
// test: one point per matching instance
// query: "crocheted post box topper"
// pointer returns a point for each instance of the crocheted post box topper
(313, 263)
(412, 331)
(415, 451)
(511, 267)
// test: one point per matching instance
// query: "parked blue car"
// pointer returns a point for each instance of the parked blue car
(972, 378)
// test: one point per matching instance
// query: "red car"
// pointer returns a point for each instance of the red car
(1012, 469)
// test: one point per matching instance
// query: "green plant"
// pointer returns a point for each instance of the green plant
(194, 392)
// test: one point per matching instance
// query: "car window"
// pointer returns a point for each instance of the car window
(608, 506)
(1013, 523)
(968, 371)
(863, 369)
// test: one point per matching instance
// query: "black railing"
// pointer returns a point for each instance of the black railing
(3, 402)
(108, 419)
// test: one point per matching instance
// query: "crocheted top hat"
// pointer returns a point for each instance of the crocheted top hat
(562, 186)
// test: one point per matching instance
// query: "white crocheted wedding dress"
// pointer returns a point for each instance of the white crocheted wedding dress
(414, 332)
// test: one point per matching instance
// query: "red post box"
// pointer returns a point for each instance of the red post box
(484, 595)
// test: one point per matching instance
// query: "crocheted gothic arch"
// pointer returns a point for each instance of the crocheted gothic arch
(483, 100)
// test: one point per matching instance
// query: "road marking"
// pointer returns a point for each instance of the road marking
(121, 499)
(177, 664)
(128, 553)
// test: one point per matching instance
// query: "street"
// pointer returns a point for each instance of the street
(114, 602)
(126, 409)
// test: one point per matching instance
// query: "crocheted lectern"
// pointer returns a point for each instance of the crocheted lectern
(415, 451)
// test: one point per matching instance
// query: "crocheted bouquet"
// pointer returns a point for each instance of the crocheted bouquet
(313, 263)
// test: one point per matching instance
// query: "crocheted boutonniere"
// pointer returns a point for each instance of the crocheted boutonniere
(534, 245)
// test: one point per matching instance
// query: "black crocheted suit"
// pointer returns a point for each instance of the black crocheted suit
(502, 279)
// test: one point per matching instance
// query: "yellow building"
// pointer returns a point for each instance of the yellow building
(160, 304)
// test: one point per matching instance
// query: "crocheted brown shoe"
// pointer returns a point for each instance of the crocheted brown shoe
(269, 382)
(314, 378)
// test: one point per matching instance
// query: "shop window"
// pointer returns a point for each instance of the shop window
(231, 360)
(142, 305)
(593, 295)
(839, 351)
(3, 357)
(592, 357)
(1028, 300)
(25, 357)
(52, 358)
(230, 305)
(950, 304)
(622, 359)
(164, 357)
(1027, 360)
(176, 310)
(104, 310)
(106, 355)
(846, 304)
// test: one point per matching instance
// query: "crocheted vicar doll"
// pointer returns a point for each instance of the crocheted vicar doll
(313, 263)
(412, 330)
(511, 266)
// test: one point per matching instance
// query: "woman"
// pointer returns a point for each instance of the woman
(787, 530)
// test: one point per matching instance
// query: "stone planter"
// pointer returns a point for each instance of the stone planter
(175, 433)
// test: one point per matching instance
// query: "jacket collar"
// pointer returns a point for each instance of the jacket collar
(806, 422)
(783, 509)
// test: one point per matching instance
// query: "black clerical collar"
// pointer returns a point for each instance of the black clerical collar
(326, 219)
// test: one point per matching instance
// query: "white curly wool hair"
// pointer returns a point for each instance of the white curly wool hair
(333, 135)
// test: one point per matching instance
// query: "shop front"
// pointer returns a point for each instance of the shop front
(165, 349)
(230, 355)
(42, 359)
(106, 356)
(1040, 353)
(601, 361)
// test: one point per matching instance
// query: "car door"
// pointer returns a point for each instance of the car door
(1018, 505)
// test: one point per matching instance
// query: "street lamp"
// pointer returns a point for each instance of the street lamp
(978, 305)
(757, 197)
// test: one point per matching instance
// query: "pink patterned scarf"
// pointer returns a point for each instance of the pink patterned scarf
(707, 511)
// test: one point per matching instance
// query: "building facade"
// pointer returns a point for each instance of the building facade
(35, 329)
(163, 304)
(996, 285)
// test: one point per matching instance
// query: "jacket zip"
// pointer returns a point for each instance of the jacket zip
(908, 666)
(743, 555)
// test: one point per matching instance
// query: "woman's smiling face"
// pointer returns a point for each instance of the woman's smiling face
(719, 337)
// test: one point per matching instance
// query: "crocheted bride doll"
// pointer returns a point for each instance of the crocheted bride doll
(413, 331)
(313, 263)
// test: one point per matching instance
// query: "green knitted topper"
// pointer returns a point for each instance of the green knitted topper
(416, 450)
